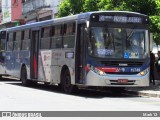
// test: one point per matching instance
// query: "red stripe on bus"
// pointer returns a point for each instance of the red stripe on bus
(108, 69)
(35, 66)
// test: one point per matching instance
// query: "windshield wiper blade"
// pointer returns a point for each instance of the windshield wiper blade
(130, 34)
(110, 37)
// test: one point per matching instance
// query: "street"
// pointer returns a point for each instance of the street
(15, 97)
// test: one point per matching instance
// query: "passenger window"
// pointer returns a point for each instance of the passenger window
(27, 34)
(56, 40)
(10, 36)
(2, 45)
(69, 35)
(45, 38)
(58, 30)
(10, 41)
(17, 40)
(26, 39)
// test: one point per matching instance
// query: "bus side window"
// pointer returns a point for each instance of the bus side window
(45, 37)
(10, 41)
(27, 34)
(17, 40)
(2, 45)
(69, 35)
(26, 39)
(56, 36)
(2, 48)
(2, 40)
(53, 41)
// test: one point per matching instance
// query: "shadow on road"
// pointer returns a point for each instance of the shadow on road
(8, 79)
(80, 93)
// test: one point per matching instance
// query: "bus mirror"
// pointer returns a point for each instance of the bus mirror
(87, 26)
(87, 23)
(2, 34)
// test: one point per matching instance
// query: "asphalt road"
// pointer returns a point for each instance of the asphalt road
(15, 97)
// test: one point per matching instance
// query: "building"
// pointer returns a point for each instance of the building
(15, 12)
(39, 10)
(11, 12)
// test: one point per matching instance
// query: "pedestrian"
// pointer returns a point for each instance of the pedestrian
(152, 64)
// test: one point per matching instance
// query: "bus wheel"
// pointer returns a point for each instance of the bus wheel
(66, 85)
(25, 82)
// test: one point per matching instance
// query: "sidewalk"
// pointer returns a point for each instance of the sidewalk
(151, 91)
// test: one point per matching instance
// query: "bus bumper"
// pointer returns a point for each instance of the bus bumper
(110, 80)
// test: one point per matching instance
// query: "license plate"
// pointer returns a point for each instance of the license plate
(122, 81)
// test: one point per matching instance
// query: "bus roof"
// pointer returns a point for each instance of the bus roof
(82, 16)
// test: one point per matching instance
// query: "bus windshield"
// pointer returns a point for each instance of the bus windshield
(118, 43)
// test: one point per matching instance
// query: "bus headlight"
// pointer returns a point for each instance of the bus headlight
(99, 72)
(144, 72)
(95, 69)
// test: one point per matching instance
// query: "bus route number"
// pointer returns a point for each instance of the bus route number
(135, 70)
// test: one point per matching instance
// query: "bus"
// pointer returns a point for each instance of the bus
(106, 49)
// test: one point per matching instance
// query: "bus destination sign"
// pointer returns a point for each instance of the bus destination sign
(120, 19)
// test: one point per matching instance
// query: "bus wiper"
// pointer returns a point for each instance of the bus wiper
(130, 34)
(110, 37)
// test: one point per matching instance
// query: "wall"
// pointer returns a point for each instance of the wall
(16, 9)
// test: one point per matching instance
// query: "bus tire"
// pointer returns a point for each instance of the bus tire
(66, 85)
(24, 80)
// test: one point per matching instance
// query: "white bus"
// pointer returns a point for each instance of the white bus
(93, 49)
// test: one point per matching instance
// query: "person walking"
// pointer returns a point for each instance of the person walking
(152, 64)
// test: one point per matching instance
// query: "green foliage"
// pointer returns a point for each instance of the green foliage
(70, 7)
(105, 5)
(64, 9)
(148, 7)
(155, 28)
(142, 6)
(91, 5)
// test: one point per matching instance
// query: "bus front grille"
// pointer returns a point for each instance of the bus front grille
(122, 63)
(115, 82)
(123, 73)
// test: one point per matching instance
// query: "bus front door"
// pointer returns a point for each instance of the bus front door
(34, 54)
(80, 55)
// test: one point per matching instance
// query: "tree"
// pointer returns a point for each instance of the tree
(64, 9)
(70, 7)
(148, 7)
(155, 28)
(91, 5)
